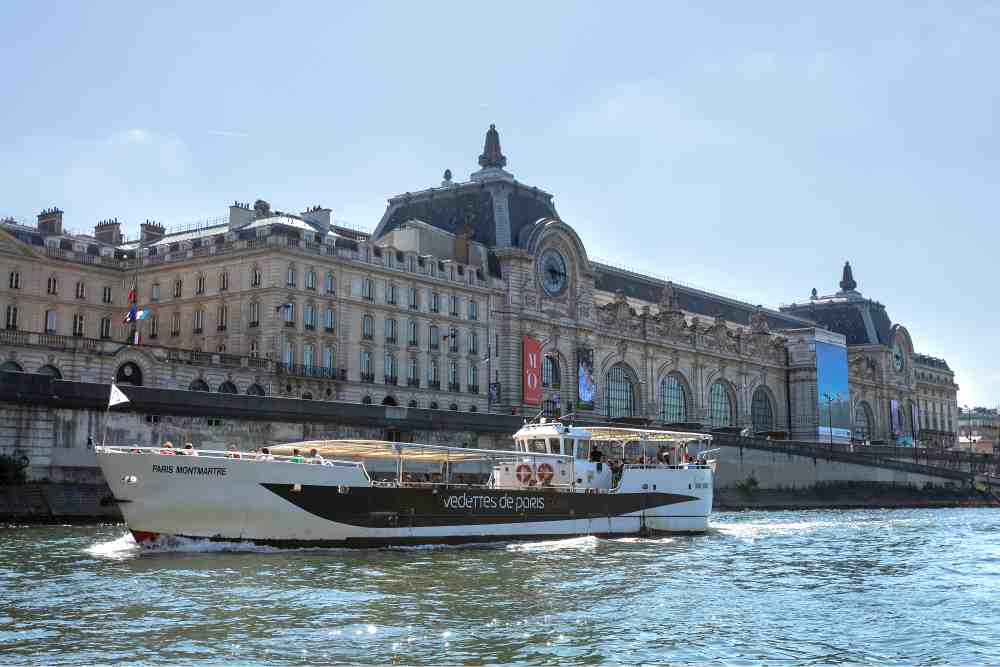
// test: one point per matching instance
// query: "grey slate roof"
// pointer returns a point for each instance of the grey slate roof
(689, 299)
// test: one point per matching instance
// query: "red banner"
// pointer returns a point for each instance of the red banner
(531, 367)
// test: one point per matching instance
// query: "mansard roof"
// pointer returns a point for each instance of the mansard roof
(933, 362)
(491, 191)
(689, 299)
(862, 321)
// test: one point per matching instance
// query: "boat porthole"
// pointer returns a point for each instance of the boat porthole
(645, 487)
(689, 486)
(654, 487)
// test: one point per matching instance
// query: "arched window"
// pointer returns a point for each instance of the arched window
(11, 366)
(50, 370)
(473, 408)
(411, 404)
(673, 400)
(863, 421)
(389, 400)
(307, 396)
(761, 412)
(720, 408)
(255, 390)
(619, 393)
(198, 385)
(453, 407)
(367, 400)
(550, 372)
(367, 327)
(227, 387)
(433, 405)
(129, 373)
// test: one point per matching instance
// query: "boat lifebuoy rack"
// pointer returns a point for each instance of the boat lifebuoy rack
(524, 473)
(545, 473)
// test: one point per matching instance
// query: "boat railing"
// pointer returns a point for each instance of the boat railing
(231, 455)
(664, 466)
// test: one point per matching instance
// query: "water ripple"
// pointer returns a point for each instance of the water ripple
(796, 588)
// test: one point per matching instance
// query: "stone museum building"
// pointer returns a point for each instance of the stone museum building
(472, 296)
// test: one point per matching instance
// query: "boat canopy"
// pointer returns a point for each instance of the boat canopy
(612, 434)
(383, 449)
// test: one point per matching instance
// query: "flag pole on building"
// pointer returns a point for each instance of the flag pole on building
(114, 398)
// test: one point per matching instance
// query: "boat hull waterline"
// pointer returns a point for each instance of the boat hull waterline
(295, 505)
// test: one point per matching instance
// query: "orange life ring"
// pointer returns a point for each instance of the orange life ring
(524, 473)
(545, 473)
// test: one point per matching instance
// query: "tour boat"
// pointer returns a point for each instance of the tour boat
(558, 481)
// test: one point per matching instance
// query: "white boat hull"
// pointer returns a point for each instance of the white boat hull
(300, 505)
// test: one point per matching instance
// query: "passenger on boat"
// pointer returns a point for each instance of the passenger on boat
(316, 456)
(168, 449)
(265, 455)
(189, 450)
(232, 453)
(296, 456)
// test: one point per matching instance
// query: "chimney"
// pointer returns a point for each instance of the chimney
(462, 244)
(50, 222)
(150, 232)
(261, 209)
(108, 231)
(319, 217)
(240, 215)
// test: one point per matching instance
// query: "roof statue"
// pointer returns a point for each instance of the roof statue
(668, 298)
(492, 157)
(847, 283)
(814, 295)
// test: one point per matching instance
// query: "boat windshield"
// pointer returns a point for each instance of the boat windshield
(537, 446)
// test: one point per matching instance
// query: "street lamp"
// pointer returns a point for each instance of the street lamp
(829, 404)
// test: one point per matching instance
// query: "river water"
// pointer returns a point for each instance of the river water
(817, 587)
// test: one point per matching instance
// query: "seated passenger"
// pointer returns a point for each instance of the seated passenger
(315, 456)
(296, 456)
(189, 450)
(265, 455)
(168, 449)
(232, 453)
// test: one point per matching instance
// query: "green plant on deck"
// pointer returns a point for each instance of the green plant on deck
(12, 469)
(748, 486)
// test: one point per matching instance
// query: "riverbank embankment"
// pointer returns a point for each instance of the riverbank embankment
(850, 496)
(57, 503)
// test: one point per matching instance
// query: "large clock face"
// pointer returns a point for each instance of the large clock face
(553, 269)
(897, 357)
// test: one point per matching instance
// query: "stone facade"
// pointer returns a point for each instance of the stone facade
(430, 311)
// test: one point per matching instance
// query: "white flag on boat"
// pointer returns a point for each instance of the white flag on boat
(117, 396)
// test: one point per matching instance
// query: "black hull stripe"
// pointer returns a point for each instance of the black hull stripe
(432, 540)
(374, 507)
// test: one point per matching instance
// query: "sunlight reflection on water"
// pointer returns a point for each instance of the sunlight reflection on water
(789, 587)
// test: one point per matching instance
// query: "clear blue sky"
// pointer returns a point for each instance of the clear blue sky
(746, 147)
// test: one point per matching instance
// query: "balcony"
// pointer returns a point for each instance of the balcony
(435, 346)
(368, 377)
(221, 327)
(473, 388)
(390, 340)
(197, 330)
(413, 382)
(289, 325)
(434, 384)
(310, 327)
(453, 349)
(253, 325)
(454, 387)
(414, 306)
(366, 336)
(11, 327)
(79, 334)
(303, 370)
(413, 343)
(328, 329)
(152, 336)
(391, 379)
